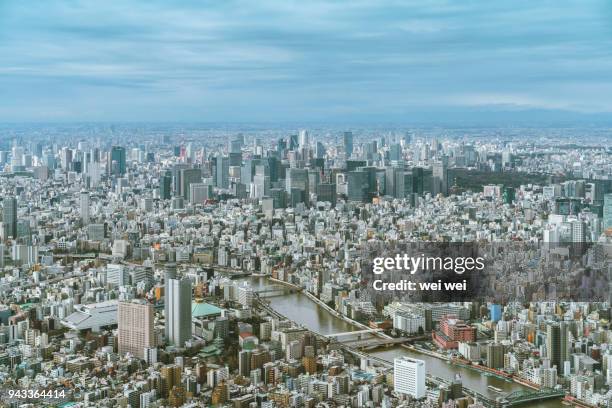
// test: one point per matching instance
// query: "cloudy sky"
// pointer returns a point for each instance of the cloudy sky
(283, 61)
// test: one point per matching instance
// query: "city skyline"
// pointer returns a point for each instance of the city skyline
(284, 204)
(215, 267)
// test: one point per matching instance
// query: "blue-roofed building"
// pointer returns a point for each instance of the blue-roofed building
(204, 310)
(496, 312)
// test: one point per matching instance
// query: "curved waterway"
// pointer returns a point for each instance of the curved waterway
(304, 311)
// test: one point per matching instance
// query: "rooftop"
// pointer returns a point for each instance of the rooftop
(92, 315)
(202, 309)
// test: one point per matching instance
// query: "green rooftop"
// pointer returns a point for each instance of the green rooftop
(201, 309)
(210, 351)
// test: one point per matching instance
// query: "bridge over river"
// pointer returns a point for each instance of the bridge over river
(302, 310)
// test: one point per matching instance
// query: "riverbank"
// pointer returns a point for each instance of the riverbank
(304, 310)
(477, 368)
(325, 306)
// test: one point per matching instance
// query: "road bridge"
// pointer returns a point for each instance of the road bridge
(380, 342)
(280, 291)
(336, 336)
(521, 397)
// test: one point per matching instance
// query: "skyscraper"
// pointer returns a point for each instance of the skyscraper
(261, 182)
(244, 362)
(198, 192)
(169, 274)
(135, 322)
(409, 377)
(303, 138)
(65, 157)
(222, 168)
(189, 177)
(176, 176)
(402, 183)
(395, 152)
(84, 207)
(326, 192)
(358, 186)
(557, 344)
(178, 318)
(348, 144)
(418, 180)
(440, 179)
(117, 160)
(9, 217)
(165, 186)
(297, 179)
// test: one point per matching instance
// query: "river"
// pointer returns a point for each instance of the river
(304, 311)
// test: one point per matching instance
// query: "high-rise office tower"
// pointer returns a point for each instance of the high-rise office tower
(275, 168)
(327, 192)
(235, 159)
(358, 186)
(190, 152)
(169, 274)
(236, 145)
(189, 177)
(165, 186)
(116, 158)
(65, 158)
(223, 164)
(557, 344)
(199, 192)
(244, 362)
(409, 377)
(135, 322)
(84, 206)
(390, 176)
(395, 152)
(176, 177)
(281, 146)
(348, 144)
(303, 138)
(440, 179)
(297, 179)
(261, 182)
(178, 319)
(403, 184)
(418, 180)
(9, 217)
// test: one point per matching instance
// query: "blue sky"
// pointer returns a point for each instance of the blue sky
(301, 61)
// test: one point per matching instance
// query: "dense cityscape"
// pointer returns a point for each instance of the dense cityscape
(194, 266)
